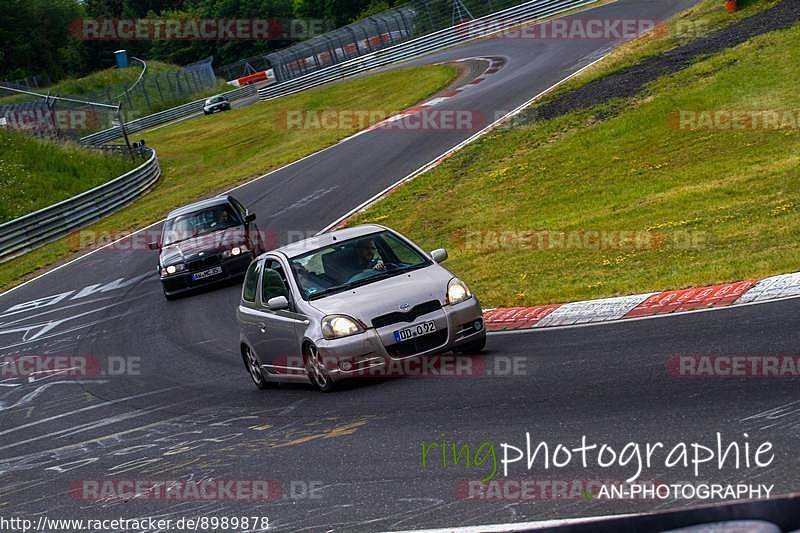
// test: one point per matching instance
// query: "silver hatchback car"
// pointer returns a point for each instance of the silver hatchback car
(347, 302)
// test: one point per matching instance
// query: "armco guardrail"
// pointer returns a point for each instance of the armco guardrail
(161, 117)
(499, 21)
(35, 229)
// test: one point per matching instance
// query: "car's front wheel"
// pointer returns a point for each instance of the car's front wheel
(253, 366)
(316, 369)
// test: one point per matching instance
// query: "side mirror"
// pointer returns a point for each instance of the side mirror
(250, 217)
(439, 255)
(153, 245)
(278, 303)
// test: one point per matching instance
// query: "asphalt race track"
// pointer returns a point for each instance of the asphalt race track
(189, 410)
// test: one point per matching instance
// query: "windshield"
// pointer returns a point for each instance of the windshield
(353, 263)
(215, 99)
(190, 225)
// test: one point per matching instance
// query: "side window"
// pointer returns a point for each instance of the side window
(400, 250)
(239, 207)
(251, 281)
(272, 285)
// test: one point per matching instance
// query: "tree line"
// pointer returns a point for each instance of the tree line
(37, 41)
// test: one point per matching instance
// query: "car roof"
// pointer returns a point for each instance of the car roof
(326, 239)
(202, 204)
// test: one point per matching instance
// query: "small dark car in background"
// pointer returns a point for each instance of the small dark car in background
(206, 242)
(216, 103)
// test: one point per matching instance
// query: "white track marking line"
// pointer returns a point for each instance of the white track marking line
(84, 409)
(437, 160)
(128, 236)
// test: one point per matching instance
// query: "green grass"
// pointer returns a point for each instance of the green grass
(203, 156)
(36, 173)
(106, 85)
(705, 17)
(630, 171)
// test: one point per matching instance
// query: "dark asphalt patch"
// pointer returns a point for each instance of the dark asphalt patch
(631, 80)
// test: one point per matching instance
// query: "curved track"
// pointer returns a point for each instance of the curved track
(191, 411)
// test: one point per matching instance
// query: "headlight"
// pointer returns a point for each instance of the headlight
(457, 291)
(173, 269)
(236, 250)
(336, 326)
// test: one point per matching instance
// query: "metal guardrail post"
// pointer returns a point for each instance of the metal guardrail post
(35, 229)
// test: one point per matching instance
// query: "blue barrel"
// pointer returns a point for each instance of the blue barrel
(122, 58)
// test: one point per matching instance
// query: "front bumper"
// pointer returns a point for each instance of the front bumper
(232, 268)
(216, 107)
(375, 349)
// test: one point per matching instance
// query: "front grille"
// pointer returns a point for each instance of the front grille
(418, 344)
(409, 316)
(201, 263)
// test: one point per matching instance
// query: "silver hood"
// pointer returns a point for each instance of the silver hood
(387, 295)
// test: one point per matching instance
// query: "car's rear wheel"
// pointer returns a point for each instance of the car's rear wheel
(316, 369)
(253, 366)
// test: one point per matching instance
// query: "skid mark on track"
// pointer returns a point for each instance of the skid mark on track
(338, 431)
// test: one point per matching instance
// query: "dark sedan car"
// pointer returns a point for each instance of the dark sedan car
(206, 242)
(216, 103)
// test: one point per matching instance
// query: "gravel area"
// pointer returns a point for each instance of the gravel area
(631, 80)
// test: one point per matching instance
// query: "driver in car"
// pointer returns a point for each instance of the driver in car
(365, 256)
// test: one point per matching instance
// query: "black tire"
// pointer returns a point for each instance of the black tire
(168, 296)
(315, 369)
(252, 365)
(473, 347)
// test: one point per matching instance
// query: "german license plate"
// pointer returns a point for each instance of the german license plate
(207, 273)
(423, 328)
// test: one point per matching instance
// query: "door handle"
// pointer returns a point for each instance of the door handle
(262, 327)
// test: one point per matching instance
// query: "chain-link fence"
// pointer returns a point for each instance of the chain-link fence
(411, 20)
(74, 116)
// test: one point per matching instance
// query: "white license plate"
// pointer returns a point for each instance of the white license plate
(207, 273)
(423, 328)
